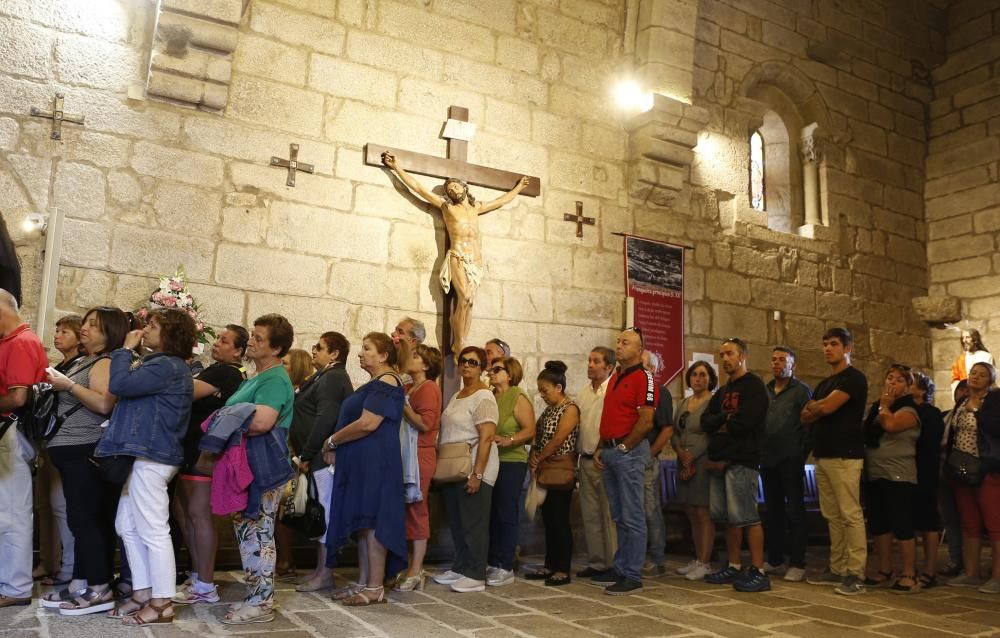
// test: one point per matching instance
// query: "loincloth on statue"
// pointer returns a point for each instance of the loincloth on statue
(473, 271)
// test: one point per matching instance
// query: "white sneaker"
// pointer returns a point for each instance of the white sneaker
(795, 574)
(465, 585)
(499, 577)
(490, 570)
(448, 577)
(768, 568)
(683, 571)
(699, 571)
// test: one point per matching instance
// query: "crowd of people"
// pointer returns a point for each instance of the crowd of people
(148, 437)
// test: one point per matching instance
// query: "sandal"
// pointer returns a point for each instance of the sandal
(346, 592)
(927, 581)
(899, 588)
(136, 619)
(119, 610)
(361, 598)
(88, 602)
(249, 614)
(884, 581)
(557, 581)
(539, 575)
(53, 599)
(123, 589)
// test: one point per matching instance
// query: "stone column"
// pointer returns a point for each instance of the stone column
(664, 48)
(810, 176)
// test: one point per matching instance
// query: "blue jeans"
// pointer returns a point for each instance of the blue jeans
(624, 482)
(504, 514)
(655, 525)
(732, 497)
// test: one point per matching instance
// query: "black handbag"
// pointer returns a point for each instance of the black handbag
(311, 522)
(114, 469)
(964, 468)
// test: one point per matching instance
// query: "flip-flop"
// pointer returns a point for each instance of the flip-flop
(61, 596)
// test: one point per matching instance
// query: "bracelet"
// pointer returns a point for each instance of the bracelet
(331, 445)
(72, 384)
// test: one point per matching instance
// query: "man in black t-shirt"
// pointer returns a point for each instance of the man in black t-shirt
(835, 416)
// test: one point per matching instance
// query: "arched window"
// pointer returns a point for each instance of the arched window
(757, 199)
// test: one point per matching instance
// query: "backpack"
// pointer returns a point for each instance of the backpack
(38, 418)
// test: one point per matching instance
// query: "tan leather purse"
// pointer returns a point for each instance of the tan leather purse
(454, 462)
(557, 472)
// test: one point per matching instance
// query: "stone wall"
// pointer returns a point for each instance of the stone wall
(147, 185)
(963, 192)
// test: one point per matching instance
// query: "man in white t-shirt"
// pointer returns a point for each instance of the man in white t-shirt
(598, 529)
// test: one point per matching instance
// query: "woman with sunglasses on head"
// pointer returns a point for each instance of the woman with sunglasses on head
(471, 417)
(85, 402)
(515, 429)
(690, 443)
(192, 505)
(890, 479)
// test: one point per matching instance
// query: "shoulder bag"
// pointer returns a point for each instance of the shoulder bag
(557, 472)
(454, 462)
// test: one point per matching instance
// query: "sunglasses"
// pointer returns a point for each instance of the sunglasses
(497, 369)
(637, 330)
(475, 363)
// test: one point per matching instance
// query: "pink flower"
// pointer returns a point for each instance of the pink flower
(175, 285)
(157, 297)
(169, 302)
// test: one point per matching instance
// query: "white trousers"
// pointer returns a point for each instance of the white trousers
(143, 524)
(324, 491)
(16, 515)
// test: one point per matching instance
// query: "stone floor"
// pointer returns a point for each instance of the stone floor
(671, 606)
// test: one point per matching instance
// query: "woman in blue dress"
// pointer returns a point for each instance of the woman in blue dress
(367, 498)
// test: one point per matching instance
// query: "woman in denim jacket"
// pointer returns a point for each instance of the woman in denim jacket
(148, 423)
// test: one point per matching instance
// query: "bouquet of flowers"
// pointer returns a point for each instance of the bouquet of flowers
(173, 293)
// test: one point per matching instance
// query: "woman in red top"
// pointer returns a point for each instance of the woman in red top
(423, 412)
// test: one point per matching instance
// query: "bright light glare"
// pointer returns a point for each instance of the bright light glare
(630, 95)
(34, 222)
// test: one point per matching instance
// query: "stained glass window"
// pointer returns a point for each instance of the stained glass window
(756, 171)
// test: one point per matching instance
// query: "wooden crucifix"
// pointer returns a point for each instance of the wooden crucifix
(292, 164)
(579, 219)
(58, 116)
(463, 267)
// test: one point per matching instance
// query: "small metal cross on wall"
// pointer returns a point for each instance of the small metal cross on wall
(57, 116)
(292, 164)
(579, 219)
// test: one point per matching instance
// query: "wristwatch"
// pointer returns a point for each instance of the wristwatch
(477, 475)
(331, 445)
(622, 447)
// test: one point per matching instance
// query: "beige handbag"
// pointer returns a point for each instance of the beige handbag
(454, 462)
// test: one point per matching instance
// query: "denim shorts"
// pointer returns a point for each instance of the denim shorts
(732, 499)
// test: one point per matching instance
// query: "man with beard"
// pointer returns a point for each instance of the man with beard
(463, 265)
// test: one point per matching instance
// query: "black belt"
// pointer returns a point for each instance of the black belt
(586, 457)
(609, 443)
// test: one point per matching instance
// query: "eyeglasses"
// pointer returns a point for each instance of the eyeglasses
(475, 363)
(316, 347)
(637, 330)
(497, 369)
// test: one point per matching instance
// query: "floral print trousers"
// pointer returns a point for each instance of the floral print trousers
(255, 537)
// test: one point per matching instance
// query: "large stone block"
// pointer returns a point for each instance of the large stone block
(85, 243)
(298, 227)
(598, 270)
(244, 224)
(181, 206)
(425, 27)
(572, 35)
(155, 252)
(908, 251)
(24, 49)
(228, 11)
(522, 302)
(967, 201)
(517, 54)
(293, 27)
(33, 173)
(986, 308)
(395, 55)
(276, 105)
(357, 123)
(174, 164)
(510, 155)
(340, 78)
(311, 315)
(102, 65)
(959, 248)
(583, 174)
(375, 285)
(254, 269)
(601, 309)
(961, 269)
(521, 261)
(959, 159)
(79, 190)
(839, 308)
(781, 296)
(318, 190)
(970, 178)
(270, 59)
(938, 310)
(911, 349)
(383, 201)
(754, 262)
(418, 247)
(209, 35)
(727, 287)
(9, 130)
(218, 305)
(494, 80)
(212, 134)
(747, 323)
(432, 99)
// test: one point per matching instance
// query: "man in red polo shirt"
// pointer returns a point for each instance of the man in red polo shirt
(623, 454)
(22, 363)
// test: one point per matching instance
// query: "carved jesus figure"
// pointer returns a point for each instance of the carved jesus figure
(463, 265)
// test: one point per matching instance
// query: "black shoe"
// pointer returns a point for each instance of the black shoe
(557, 581)
(539, 575)
(588, 572)
(604, 579)
(624, 587)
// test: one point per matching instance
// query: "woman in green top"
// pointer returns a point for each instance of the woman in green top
(515, 428)
(271, 390)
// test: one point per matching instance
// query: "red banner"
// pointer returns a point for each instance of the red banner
(654, 279)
